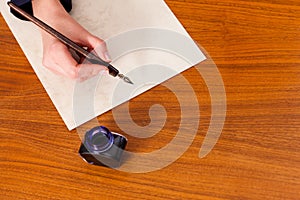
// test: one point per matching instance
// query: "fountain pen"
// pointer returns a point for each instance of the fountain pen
(91, 57)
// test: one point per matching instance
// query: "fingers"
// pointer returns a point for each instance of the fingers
(87, 71)
(58, 59)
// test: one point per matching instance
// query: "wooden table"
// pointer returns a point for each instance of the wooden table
(256, 46)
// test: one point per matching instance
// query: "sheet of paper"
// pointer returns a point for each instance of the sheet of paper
(144, 38)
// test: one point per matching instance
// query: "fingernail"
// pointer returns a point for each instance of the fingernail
(107, 56)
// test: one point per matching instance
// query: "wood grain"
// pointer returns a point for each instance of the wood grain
(256, 46)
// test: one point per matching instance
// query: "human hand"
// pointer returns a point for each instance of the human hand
(56, 56)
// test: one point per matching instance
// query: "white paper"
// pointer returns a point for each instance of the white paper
(144, 38)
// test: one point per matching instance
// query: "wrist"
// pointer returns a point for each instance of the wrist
(48, 11)
(54, 14)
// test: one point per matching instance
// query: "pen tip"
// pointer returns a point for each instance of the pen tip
(125, 78)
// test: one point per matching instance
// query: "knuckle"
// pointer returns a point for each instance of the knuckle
(98, 42)
(56, 46)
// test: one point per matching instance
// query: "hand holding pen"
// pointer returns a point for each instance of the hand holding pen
(56, 54)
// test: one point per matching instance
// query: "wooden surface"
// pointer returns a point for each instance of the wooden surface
(256, 46)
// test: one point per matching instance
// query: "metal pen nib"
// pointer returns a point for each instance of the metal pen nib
(125, 78)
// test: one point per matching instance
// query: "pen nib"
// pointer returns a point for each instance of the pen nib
(125, 78)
